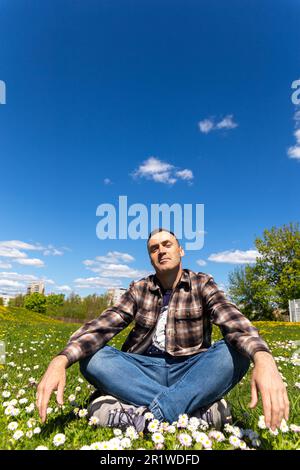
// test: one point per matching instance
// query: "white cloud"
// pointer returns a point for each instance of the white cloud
(185, 174)
(119, 270)
(64, 288)
(16, 249)
(201, 262)
(9, 283)
(227, 123)
(111, 270)
(16, 283)
(7, 252)
(5, 265)
(52, 251)
(208, 125)
(19, 245)
(113, 256)
(107, 181)
(235, 257)
(294, 151)
(161, 172)
(96, 282)
(17, 276)
(38, 263)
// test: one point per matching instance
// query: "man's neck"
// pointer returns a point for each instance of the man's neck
(170, 279)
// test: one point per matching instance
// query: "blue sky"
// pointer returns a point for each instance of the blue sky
(193, 98)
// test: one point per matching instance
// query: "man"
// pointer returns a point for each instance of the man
(167, 364)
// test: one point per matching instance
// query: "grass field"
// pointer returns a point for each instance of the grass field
(31, 342)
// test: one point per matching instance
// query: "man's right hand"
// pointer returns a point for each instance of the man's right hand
(53, 379)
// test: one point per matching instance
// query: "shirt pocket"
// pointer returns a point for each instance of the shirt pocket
(189, 326)
(145, 319)
(188, 313)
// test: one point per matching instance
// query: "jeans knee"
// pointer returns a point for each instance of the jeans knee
(232, 358)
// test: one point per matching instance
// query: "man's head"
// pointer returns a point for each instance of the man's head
(164, 250)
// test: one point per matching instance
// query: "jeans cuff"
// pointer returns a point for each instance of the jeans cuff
(155, 409)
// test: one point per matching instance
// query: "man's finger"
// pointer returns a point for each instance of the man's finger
(39, 399)
(60, 392)
(276, 411)
(254, 397)
(44, 405)
(286, 405)
(266, 401)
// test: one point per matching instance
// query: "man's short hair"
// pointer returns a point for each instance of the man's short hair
(161, 229)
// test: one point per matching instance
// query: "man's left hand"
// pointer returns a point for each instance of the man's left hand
(267, 381)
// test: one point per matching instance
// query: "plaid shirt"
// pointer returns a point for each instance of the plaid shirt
(195, 304)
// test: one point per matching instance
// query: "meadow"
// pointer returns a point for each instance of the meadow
(32, 340)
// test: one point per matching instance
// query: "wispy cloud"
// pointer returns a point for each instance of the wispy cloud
(64, 288)
(110, 266)
(294, 151)
(96, 283)
(17, 283)
(107, 181)
(234, 257)
(201, 262)
(162, 172)
(210, 124)
(38, 263)
(4, 265)
(16, 251)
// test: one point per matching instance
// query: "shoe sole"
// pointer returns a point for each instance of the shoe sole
(95, 404)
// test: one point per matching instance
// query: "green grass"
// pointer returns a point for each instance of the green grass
(31, 342)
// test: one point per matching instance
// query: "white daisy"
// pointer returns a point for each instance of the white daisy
(18, 434)
(12, 426)
(82, 413)
(185, 439)
(158, 438)
(59, 439)
(93, 421)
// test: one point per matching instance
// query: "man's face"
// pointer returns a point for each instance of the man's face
(164, 251)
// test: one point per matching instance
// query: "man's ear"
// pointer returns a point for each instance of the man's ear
(181, 251)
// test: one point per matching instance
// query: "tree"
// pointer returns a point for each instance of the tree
(17, 301)
(275, 277)
(1, 302)
(280, 262)
(36, 302)
(251, 292)
(56, 300)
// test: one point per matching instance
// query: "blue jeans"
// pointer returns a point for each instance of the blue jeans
(168, 386)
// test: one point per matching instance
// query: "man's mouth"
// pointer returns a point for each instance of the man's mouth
(164, 260)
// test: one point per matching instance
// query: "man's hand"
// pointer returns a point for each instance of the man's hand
(267, 380)
(53, 379)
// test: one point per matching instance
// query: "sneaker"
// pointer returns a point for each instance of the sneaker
(111, 412)
(216, 415)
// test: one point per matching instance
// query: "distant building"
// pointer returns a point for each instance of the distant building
(37, 286)
(294, 308)
(115, 294)
(6, 298)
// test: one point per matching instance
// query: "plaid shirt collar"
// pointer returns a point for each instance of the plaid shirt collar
(154, 283)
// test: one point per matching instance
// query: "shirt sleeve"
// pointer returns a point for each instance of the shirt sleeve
(94, 334)
(235, 327)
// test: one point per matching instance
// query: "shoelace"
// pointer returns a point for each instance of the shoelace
(207, 416)
(118, 417)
